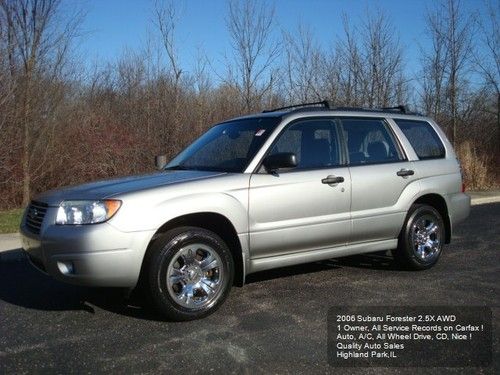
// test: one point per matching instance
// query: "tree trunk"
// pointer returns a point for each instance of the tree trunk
(498, 122)
(454, 119)
(26, 145)
(26, 174)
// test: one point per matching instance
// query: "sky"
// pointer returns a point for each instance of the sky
(112, 26)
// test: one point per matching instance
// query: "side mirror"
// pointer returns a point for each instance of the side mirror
(160, 161)
(280, 160)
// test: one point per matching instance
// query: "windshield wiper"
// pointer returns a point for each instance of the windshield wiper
(177, 168)
(195, 168)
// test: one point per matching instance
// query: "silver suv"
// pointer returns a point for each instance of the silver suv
(293, 185)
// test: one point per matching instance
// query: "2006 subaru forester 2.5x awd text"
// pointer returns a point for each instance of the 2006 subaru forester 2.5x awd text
(288, 186)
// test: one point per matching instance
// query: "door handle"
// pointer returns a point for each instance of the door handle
(405, 172)
(332, 180)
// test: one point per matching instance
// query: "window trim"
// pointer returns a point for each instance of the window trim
(434, 135)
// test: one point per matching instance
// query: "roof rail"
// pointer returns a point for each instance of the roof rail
(401, 108)
(323, 103)
(326, 105)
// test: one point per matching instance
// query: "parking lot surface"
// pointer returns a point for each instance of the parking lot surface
(276, 323)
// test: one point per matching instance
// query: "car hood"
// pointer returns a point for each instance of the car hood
(110, 188)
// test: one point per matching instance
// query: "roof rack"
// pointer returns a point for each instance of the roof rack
(400, 108)
(323, 103)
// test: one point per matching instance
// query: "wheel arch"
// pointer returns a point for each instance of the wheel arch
(214, 222)
(439, 203)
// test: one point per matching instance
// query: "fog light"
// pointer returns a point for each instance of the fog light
(66, 268)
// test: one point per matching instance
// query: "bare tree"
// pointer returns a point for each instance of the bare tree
(203, 88)
(250, 27)
(371, 61)
(304, 66)
(488, 60)
(59, 128)
(351, 64)
(459, 40)
(383, 60)
(37, 47)
(167, 20)
(332, 75)
(451, 32)
(434, 64)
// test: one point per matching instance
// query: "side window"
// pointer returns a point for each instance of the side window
(369, 141)
(423, 139)
(314, 142)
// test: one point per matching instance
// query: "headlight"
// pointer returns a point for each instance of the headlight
(87, 212)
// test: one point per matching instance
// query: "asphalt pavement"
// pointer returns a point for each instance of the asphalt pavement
(274, 324)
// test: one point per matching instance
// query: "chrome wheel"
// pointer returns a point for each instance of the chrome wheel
(195, 276)
(426, 237)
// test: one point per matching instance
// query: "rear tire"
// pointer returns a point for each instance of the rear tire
(190, 273)
(421, 239)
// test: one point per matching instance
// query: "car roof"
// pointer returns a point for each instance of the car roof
(343, 112)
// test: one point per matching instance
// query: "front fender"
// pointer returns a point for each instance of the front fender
(220, 203)
(137, 216)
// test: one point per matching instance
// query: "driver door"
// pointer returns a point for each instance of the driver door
(307, 207)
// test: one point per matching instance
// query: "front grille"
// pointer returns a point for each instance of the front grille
(34, 216)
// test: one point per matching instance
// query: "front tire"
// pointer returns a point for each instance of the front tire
(190, 273)
(421, 240)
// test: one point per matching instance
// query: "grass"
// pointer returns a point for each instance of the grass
(10, 220)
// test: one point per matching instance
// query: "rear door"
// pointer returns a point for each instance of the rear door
(379, 173)
(429, 149)
(306, 207)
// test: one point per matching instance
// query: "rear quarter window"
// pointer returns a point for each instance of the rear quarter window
(423, 138)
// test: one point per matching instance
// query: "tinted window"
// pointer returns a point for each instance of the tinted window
(369, 141)
(423, 139)
(314, 142)
(227, 147)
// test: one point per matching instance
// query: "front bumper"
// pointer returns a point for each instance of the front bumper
(93, 255)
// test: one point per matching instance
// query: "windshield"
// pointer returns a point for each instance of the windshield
(227, 147)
